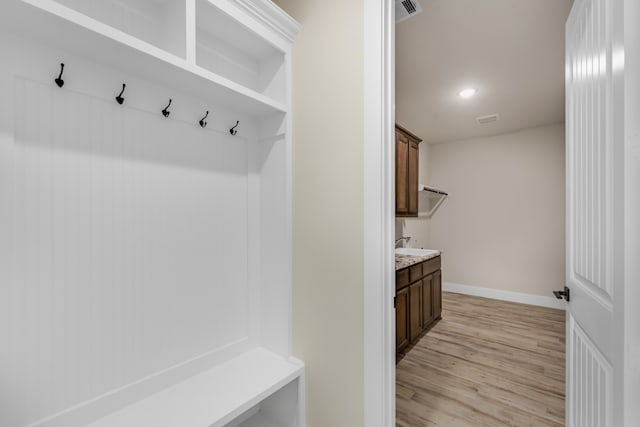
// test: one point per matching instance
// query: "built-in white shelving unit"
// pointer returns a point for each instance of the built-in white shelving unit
(239, 68)
(148, 281)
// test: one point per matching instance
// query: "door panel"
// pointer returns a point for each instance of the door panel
(402, 163)
(592, 342)
(590, 149)
(402, 319)
(412, 183)
(591, 380)
(437, 294)
(427, 301)
(415, 310)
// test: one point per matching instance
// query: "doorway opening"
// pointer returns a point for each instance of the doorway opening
(482, 84)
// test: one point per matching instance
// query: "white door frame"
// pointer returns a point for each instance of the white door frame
(626, 128)
(379, 214)
(632, 212)
(379, 156)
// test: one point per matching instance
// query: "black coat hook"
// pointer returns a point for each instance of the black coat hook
(166, 111)
(233, 131)
(203, 124)
(119, 98)
(59, 80)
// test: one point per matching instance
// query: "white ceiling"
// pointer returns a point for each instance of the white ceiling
(512, 51)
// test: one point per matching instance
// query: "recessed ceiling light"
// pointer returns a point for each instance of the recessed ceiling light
(467, 93)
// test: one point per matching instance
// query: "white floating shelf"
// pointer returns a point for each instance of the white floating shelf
(213, 398)
(53, 23)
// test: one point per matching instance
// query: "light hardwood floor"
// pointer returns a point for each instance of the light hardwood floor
(486, 363)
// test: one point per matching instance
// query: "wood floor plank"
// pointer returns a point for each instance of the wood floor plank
(486, 363)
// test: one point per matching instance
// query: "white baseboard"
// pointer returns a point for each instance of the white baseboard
(478, 291)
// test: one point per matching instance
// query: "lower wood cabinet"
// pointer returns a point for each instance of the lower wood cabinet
(418, 300)
(402, 318)
(427, 301)
(415, 310)
(437, 295)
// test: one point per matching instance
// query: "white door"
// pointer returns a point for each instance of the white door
(594, 126)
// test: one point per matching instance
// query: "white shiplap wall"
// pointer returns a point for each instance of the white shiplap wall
(125, 235)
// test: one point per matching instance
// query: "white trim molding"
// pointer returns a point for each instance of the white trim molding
(500, 294)
(379, 215)
(632, 212)
(271, 15)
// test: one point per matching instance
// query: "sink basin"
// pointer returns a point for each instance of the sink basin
(415, 252)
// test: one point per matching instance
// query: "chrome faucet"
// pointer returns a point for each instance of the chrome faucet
(405, 238)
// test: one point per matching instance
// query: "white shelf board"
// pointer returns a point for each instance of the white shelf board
(53, 24)
(213, 398)
(219, 25)
(259, 421)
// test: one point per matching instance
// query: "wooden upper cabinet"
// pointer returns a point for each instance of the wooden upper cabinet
(407, 165)
(412, 183)
(402, 173)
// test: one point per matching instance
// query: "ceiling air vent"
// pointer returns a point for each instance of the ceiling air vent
(487, 119)
(405, 9)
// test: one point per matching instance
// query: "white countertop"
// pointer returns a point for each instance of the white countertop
(406, 257)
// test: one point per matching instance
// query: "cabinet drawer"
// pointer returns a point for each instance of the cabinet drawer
(402, 278)
(415, 273)
(430, 266)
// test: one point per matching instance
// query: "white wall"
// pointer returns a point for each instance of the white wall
(502, 226)
(328, 149)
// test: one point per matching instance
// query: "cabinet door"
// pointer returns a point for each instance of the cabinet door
(402, 163)
(437, 294)
(415, 310)
(427, 301)
(402, 319)
(412, 180)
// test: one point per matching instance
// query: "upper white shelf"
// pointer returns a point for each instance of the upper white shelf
(150, 38)
(213, 398)
(161, 23)
(225, 47)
